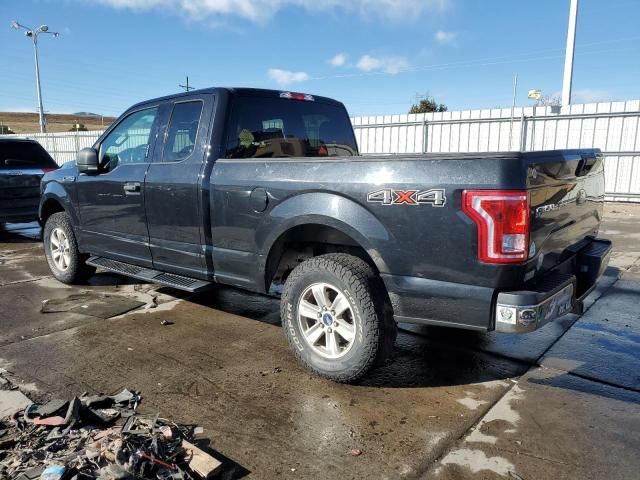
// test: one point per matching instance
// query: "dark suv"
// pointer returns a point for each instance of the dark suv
(22, 165)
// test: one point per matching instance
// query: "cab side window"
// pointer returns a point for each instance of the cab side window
(129, 141)
(182, 131)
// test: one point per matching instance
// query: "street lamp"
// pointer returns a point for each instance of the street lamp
(33, 35)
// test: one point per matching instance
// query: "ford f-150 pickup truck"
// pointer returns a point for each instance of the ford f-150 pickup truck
(265, 190)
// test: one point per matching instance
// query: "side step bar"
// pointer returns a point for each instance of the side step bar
(149, 275)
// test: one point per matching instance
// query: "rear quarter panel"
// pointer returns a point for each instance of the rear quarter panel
(407, 240)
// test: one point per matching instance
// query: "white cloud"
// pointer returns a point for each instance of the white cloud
(263, 10)
(444, 37)
(339, 60)
(391, 65)
(285, 77)
(590, 95)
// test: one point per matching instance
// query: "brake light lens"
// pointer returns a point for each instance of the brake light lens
(502, 221)
(297, 96)
(49, 169)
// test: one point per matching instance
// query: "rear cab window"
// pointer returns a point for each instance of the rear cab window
(24, 155)
(183, 130)
(263, 127)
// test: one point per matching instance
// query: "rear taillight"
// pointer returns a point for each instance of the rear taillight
(49, 169)
(502, 220)
(297, 96)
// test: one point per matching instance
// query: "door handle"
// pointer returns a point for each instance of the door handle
(131, 187)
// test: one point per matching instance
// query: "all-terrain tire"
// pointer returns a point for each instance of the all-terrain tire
(76, 271)
(374, 325)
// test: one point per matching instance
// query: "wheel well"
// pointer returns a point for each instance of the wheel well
(50, 207)
(306, 241)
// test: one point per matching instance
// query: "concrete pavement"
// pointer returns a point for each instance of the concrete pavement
(559, 403)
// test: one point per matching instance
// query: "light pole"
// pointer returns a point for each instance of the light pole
(567, 78)
(33, 35)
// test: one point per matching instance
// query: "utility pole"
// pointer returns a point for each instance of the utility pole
(569, 53)
(33, 35)
(187, 87)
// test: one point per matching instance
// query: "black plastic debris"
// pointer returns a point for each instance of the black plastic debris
(100, 437)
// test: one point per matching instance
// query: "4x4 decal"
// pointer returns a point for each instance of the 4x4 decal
(388, 196)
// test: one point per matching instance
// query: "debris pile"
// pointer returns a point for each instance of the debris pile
(99, 436)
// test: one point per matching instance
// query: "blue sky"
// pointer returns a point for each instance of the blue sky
(374, 55)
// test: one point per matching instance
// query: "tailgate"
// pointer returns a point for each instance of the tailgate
(566, 193)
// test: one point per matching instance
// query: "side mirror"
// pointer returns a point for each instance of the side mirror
(87, 161)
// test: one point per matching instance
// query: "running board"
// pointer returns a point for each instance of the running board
(147, 274)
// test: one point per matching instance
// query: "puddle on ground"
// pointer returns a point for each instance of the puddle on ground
(477, 461)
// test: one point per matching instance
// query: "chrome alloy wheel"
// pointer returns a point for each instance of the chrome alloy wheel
(326, 320)
(60, 249)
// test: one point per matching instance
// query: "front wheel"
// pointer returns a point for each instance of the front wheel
(61, 249)
(336, 316)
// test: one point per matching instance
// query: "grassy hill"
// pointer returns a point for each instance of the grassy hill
(21, 122)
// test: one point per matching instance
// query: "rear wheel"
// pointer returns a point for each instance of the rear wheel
(336, 316)
(61, 249)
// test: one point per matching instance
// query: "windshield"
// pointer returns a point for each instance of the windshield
(276, 128)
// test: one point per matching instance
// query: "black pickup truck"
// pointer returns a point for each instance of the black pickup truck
(265, 190)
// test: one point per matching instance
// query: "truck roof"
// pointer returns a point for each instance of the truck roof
(241, 92)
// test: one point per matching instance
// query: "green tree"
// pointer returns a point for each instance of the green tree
(428, 105)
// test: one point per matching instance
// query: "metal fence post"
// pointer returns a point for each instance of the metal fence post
(424, 136)
(523, 132)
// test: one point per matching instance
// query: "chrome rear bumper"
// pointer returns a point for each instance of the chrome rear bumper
(554, 296)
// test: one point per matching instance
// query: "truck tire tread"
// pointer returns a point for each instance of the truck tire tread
(368, 290)
(78, 272)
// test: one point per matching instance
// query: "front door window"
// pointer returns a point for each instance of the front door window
(128, 142)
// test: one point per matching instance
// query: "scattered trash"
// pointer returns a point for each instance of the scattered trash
(167, 322)
(11, 401)
(54, 472)
(98, 437)
(356, 452)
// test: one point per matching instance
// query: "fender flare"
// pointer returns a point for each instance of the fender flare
(331, 210)
(56, 192)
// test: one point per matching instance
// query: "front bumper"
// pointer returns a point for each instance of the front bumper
(555, 295)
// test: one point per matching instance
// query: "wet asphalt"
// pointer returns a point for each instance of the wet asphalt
(563, 402)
